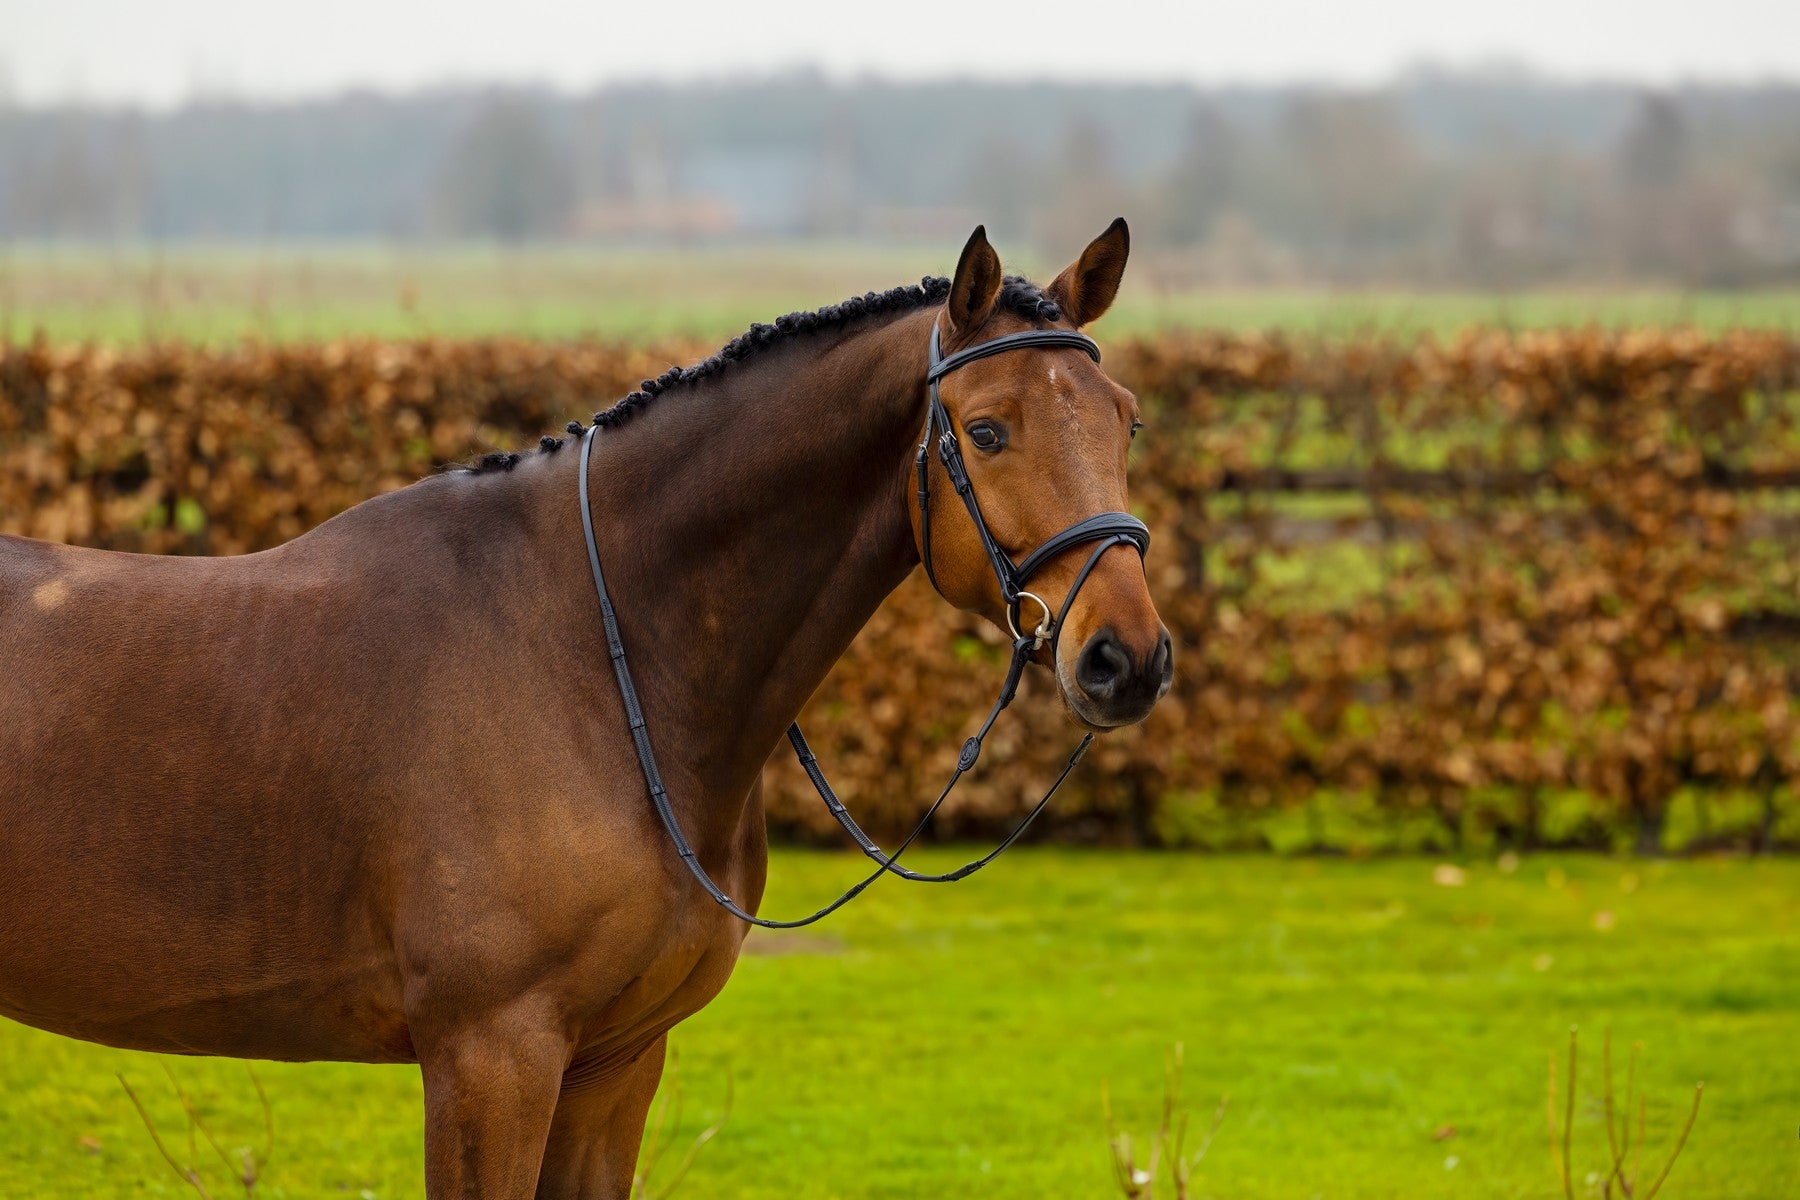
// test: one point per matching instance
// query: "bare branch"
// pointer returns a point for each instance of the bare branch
(254, 1168)
(704, 1136)
(1562, 1168)
(1680, 1142)
(1569, 1122)
(188, 1174)
(194, 1122)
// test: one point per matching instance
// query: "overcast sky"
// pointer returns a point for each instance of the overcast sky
(163, 51)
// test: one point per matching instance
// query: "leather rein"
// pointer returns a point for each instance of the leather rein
(1103, 531)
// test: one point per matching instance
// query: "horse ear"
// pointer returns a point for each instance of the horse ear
(1086, 290)
(976, 285)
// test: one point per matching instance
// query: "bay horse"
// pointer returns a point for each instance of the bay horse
(370, 795)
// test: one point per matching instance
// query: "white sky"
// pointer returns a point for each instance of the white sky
(163, 51)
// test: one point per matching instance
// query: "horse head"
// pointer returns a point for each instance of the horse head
(1042, 437)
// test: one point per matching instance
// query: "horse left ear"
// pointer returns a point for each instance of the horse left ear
(975, 286)
(1086, 290)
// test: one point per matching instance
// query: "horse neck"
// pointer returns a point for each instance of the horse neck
(749, 527)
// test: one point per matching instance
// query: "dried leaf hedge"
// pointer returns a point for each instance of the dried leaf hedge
(1533, 588)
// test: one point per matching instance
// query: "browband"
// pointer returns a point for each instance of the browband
(1005, 342)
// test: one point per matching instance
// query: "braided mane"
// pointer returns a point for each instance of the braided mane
(1017, 295)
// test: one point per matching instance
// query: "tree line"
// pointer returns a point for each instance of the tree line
(1489, 179)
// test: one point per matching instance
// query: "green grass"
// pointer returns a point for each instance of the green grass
(953, 1041)
(220, 294)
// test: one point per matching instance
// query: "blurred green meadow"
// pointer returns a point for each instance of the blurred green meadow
(225, 293)
(1382, 1028)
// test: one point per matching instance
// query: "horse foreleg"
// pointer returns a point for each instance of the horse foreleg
(490, 1092)
(599, 1126)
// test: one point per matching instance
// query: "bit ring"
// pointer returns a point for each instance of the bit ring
(1046, 628)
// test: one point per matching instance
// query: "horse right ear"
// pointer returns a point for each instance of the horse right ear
(976, 285)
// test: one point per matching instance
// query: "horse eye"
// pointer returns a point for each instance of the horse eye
(986, 436)
(1135, 426)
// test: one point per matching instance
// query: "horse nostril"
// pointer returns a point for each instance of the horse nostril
(1162, 662)
(1103, 666)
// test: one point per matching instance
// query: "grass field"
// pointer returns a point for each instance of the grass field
(953, 1041)
(223, 294)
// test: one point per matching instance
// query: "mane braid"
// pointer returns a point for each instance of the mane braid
(1017, 295)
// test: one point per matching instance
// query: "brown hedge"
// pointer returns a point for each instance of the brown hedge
(1542, 587)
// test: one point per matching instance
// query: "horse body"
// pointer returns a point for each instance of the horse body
(272, 790)
(369, 796)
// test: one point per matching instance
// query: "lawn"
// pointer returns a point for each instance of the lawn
(223, 293)
(953, 1041)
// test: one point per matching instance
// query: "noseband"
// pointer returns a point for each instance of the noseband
(1103, 530)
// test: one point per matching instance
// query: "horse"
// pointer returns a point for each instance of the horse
(370, 795)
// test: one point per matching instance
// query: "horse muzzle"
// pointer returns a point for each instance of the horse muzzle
(1109, 685)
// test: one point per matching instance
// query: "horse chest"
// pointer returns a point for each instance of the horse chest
(694, 951)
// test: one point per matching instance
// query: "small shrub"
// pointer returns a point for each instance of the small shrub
(1167, 1146)
(1625, 1146)
(665, 1119)
(246, 1165)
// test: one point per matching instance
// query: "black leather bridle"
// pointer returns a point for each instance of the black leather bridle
(1103, 531)
(1108, 529)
